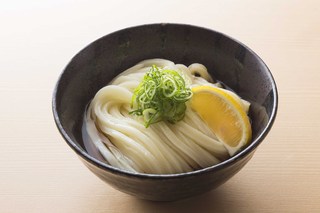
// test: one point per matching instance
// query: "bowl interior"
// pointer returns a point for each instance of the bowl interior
(228, 60)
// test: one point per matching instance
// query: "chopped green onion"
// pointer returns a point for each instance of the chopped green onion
(161, 96)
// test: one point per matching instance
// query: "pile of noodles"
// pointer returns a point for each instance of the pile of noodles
(162, 148)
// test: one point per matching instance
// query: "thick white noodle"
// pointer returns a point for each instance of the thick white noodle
(163, 148)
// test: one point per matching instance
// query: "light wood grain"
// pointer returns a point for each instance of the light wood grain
(40, 173)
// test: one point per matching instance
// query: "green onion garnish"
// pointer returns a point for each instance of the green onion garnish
(161, 96)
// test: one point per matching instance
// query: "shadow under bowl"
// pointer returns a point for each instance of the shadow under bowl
(227, 59)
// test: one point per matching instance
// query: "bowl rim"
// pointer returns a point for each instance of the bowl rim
(91, 160)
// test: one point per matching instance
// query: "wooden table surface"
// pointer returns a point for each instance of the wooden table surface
(40, 173)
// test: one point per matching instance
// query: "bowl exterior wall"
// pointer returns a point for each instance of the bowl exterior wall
(172, 188)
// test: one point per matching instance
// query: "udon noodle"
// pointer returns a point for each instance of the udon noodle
(163, 148)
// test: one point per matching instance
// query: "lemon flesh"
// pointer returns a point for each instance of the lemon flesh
(225, 115)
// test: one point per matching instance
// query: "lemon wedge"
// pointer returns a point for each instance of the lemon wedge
(225, 114)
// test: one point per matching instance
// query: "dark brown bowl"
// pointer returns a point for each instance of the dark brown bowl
(227, 59)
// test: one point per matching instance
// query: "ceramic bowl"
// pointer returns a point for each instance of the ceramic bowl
(227, 59)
